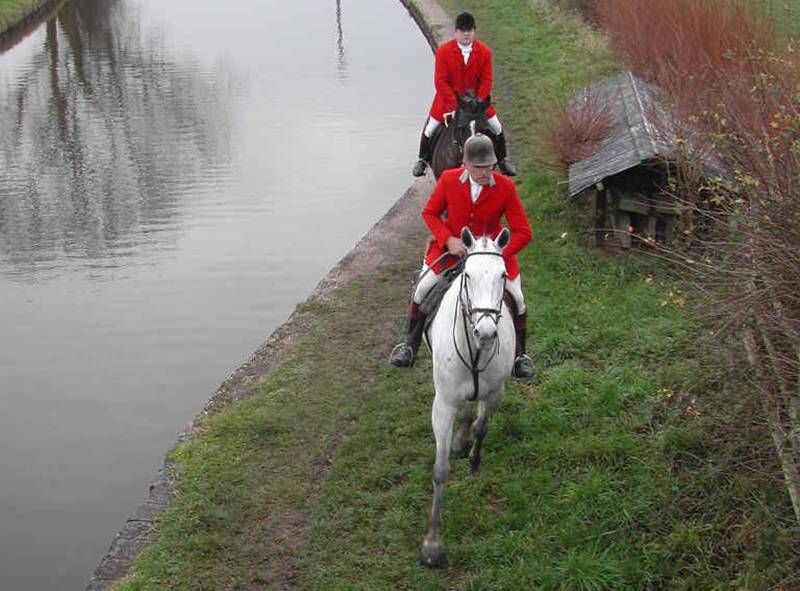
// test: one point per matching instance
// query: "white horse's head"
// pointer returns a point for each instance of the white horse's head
(483, 284)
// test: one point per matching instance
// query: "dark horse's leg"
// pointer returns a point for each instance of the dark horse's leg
(446, 151)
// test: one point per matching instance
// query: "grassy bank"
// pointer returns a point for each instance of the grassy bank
(12, 11)
(631, 464)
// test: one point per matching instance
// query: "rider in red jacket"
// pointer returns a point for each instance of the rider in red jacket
(477, 197)
(462, 64)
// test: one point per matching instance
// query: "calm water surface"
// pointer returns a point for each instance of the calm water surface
(174, 178)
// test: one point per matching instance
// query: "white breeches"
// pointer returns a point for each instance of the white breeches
(494, 125)
(514, 287)
(428, 280)
(431, 127)
(426, 283)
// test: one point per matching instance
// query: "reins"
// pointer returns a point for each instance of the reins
(467, 312)
(436, 262)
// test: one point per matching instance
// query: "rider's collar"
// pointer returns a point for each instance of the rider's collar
(465, 177)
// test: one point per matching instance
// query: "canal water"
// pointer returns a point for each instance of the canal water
(174, 178)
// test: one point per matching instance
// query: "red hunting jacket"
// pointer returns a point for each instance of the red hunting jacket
(452, 194)
(453, 77)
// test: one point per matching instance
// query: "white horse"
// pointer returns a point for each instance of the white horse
(472, 344)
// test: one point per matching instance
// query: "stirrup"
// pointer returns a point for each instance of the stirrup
(402, 356)
(419, 168)
(524, 368)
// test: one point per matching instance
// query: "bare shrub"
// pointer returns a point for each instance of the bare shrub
(573, 131)
(680, 44)
(735, 95)
(754, 126)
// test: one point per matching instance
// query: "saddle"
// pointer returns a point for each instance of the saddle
(433, 300)
(430, 305)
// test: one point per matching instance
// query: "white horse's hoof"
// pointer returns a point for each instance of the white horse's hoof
(432, 554)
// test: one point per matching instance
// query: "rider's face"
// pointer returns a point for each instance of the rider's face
(480, 174)
(465, 37)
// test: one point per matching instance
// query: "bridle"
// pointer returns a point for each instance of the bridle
(469, 322)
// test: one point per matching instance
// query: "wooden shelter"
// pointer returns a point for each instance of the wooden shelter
(621, 187)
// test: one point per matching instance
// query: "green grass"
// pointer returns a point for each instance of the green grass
(12, 11)
(633, 462)
(785, 14)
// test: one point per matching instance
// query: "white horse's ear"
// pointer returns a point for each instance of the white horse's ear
(467, 238)
(503, 238)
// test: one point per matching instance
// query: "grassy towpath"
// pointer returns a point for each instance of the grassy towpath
(612, 471)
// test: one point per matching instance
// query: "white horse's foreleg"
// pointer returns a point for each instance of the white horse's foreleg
(461, 443)
(442, 415)
(480, 426)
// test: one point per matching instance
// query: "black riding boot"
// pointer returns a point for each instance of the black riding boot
(503, 163)
(523, 365)
(425, 147)
(404, 354)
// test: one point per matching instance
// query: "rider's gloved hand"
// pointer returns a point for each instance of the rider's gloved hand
(456, 247)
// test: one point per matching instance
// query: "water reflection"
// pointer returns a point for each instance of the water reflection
(342, 58)
(174, 178)
(102, 139)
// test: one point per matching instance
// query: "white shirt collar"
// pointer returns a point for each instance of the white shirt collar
(464, 176)
(474, 189)
(466, 50)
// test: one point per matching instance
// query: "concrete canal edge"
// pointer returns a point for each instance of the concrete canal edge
(380, 245)
(431, 19)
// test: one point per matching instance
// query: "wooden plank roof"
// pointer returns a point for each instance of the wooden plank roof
(636, 133)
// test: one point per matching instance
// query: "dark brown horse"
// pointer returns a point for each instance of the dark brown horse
(448, 146)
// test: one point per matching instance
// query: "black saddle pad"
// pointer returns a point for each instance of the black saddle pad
(430, 305)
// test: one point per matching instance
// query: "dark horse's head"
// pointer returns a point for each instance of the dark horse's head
(448, 149)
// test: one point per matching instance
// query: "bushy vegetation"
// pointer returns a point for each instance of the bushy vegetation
(732, 86)
(573, 130)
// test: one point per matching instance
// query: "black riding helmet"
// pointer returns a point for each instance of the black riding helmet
(465, 22)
